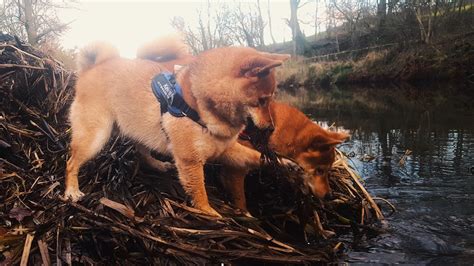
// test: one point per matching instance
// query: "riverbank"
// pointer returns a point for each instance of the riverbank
(381, 102)
(449, 59)
(386, 102)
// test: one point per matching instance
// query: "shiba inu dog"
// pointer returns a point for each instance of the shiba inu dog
(296, 137)
(225, 86)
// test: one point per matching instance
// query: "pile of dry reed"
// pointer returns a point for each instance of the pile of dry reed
(132, 215)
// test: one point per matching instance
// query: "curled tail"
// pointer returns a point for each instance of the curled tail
(164, 49)
(95, 53)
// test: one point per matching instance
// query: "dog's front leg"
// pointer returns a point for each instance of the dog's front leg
(240, 156)
(190, 150)
(191, 176)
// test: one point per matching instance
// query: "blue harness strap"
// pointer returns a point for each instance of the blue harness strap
(169, 94)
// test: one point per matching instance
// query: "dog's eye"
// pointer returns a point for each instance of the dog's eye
(263, 73)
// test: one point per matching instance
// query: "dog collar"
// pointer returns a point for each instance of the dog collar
(170, 95)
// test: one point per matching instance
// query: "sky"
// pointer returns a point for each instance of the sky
(128, 24)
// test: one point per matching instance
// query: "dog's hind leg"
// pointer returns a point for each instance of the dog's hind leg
(91, 128)
(151, 161)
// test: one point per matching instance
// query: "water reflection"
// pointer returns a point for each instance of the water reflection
(415, 147)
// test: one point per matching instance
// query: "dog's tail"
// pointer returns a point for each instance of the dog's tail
(164, 49)
(95, 53)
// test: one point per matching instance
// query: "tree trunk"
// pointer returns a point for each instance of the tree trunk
(316, 24)
(270, 23)
(430, 24)
(203, 35)
(391, 5)
(382, 8)
(211, 41)
(461, 4)
(299, 41)
(30, 26)
(381, 13)
(330, 12)
(261, 27)
(425, 33)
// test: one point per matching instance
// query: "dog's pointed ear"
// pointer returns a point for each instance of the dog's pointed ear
(342, 135)
(258, 66)
(331, 139)
(281, 57)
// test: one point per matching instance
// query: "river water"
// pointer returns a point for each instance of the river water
(413, 146)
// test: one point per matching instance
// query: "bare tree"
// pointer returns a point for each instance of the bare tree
(316, 19)
(331, 25)
(33, 20)
(220, 25)
(426, 28)
(249, 29)
(261, 24)
(215, 28)
(349, 11)
(270, 22)
(299, 40)
(391, 6)
(382, 8)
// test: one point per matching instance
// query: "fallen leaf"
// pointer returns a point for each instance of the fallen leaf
(19, 213)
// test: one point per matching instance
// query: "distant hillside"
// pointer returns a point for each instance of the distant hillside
(369, 33)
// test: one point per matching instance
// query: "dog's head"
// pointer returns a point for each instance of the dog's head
(238, 83)
(317, 159)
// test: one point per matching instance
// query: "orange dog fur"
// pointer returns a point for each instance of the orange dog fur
(295, 136)
(298, 138)
(225, 86)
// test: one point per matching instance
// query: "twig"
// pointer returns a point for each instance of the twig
(394, 209)
(26, 250)
(21, 66)
(182, 247)
(21, 51)
(43, 247)
(356, 178)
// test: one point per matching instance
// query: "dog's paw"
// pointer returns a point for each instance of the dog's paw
(247, 214)
(73, 194)
(161, 166)
(211, 212)
(242, 212)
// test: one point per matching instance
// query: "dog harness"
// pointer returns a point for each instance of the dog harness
(170, 95)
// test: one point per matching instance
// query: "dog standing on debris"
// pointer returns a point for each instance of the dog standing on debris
(295, 136)
(225, 87)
